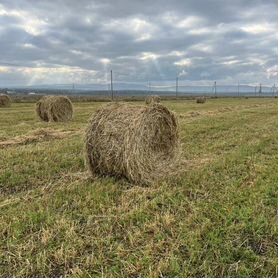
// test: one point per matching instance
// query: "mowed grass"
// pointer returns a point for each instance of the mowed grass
(218, 218)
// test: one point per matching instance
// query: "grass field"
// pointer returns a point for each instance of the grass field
(218, 218)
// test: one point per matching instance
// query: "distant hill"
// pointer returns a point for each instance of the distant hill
(134, 89)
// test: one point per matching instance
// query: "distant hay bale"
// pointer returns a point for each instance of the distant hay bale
(139, 143)
(200, 100)
(152, 99)
(5, 101)
(54, 109)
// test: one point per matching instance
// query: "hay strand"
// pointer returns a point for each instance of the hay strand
(54, 109)
(152, 99)
(39, 135)
(139, 143)
(5, 101)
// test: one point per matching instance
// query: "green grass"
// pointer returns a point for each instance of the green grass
(218, 218)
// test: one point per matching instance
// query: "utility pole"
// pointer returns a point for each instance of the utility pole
(111, 79)
(275, 73)
(260, 89)
(177, 86)
(238, 89)
(149, 87)
(215, 92)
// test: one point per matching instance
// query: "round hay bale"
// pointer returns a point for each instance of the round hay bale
(139, 143)
(200, 100)
(54, 109)
(152, 99)
(5, 101)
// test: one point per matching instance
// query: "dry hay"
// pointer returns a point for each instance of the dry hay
(54, 109)
(200, 100)
(5, 101)
(39, 135)
(140, 143)
(225, 109)
(194, 114)
(152, 99)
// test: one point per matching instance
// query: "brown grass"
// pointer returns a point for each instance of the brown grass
(5, 101)
(54, 109)
(139, 143)
(152, 99)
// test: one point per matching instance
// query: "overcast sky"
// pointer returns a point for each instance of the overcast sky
(66, 41)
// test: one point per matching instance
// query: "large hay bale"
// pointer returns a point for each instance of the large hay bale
(5, 101)
(152, 99)
(54, 109)
(200, 100)
(139, 143)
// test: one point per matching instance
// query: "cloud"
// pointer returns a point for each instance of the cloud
(183, 62)
(69, 41)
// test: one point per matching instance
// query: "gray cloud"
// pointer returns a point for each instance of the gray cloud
(79, 41)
